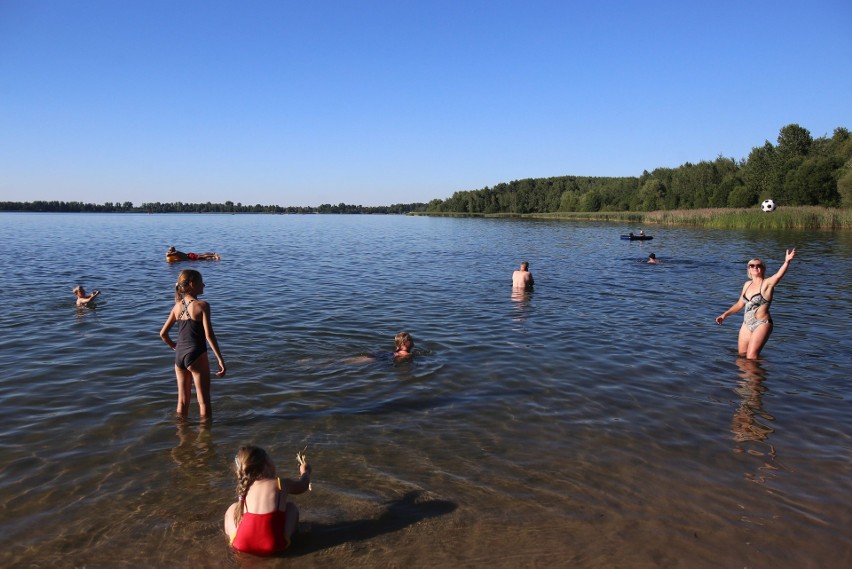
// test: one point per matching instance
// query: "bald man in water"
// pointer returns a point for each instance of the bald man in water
(523, 278)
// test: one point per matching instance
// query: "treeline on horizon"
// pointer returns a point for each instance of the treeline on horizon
(798, 170)
(180, 207)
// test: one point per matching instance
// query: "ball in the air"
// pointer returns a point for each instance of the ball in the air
(767, 206)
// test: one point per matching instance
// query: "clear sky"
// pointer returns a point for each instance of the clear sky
(376, 102)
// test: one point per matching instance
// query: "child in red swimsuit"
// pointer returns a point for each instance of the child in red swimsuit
(262, 521)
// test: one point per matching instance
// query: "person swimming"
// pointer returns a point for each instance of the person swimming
(403, 345)
(84, 299)
(523, 278)
(173, 255)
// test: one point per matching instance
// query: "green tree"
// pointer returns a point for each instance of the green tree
(793, 141)
(651, 195)
(759, 174)
(813, 182)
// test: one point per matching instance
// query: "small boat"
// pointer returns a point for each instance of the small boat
(632, 237)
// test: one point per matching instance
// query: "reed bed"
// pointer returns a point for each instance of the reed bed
(802, 217)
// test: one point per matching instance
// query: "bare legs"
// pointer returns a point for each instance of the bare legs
(198, 373)
(750, 343)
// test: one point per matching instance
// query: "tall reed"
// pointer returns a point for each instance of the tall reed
(801, 217)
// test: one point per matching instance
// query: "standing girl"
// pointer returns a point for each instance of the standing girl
(756, 297)
(195, 331)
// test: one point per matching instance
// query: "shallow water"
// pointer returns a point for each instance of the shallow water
(602, 420)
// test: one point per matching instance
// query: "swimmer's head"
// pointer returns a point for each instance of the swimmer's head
(171, 250)
(403, 342)
(652, 256)
(525, 265)
(78, 290)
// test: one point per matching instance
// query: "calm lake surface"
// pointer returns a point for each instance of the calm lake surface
(603, 420)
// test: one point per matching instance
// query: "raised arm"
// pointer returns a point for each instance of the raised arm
(302, 484)
(773, 280)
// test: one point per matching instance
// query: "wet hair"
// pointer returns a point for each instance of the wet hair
(652, 256)
(525, 265)
(77, 289)
(186, 276)
(762, 264)
(401, 339)
(251, 464)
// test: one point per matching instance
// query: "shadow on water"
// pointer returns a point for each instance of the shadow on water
(396, 515)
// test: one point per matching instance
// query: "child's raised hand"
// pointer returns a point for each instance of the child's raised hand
(304, 467)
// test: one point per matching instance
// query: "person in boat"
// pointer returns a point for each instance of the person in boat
(173, 255)
(641, 233)
(262, 521)
(652, 259)
(522, 278)
(84, 299)
(755, 298)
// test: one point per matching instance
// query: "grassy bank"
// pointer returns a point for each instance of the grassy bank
(805, 217)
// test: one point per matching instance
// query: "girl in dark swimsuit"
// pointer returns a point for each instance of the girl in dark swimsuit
(755, 298)
(195, 332)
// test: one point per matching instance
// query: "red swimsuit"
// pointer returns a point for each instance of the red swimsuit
(262, 534)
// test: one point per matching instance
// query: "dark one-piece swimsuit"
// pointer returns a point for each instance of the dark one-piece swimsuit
(191, 341)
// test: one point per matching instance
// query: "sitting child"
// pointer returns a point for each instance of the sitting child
(262, 521)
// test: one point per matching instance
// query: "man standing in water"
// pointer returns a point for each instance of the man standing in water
(522, 278)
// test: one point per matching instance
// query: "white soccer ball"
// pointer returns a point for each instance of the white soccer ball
(767, 206)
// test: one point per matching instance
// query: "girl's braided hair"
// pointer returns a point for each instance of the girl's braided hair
(251, 463)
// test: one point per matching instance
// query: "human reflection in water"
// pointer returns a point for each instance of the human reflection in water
(522, 299)
(751, 423)
(195, 448)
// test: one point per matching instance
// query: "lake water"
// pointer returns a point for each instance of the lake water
(603, 420)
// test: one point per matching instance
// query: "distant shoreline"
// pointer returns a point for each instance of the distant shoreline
(800, 217)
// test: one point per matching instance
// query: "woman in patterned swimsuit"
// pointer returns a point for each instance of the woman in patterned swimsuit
(755, 298)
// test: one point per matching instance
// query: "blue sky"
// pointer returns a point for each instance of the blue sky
(391, 101)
